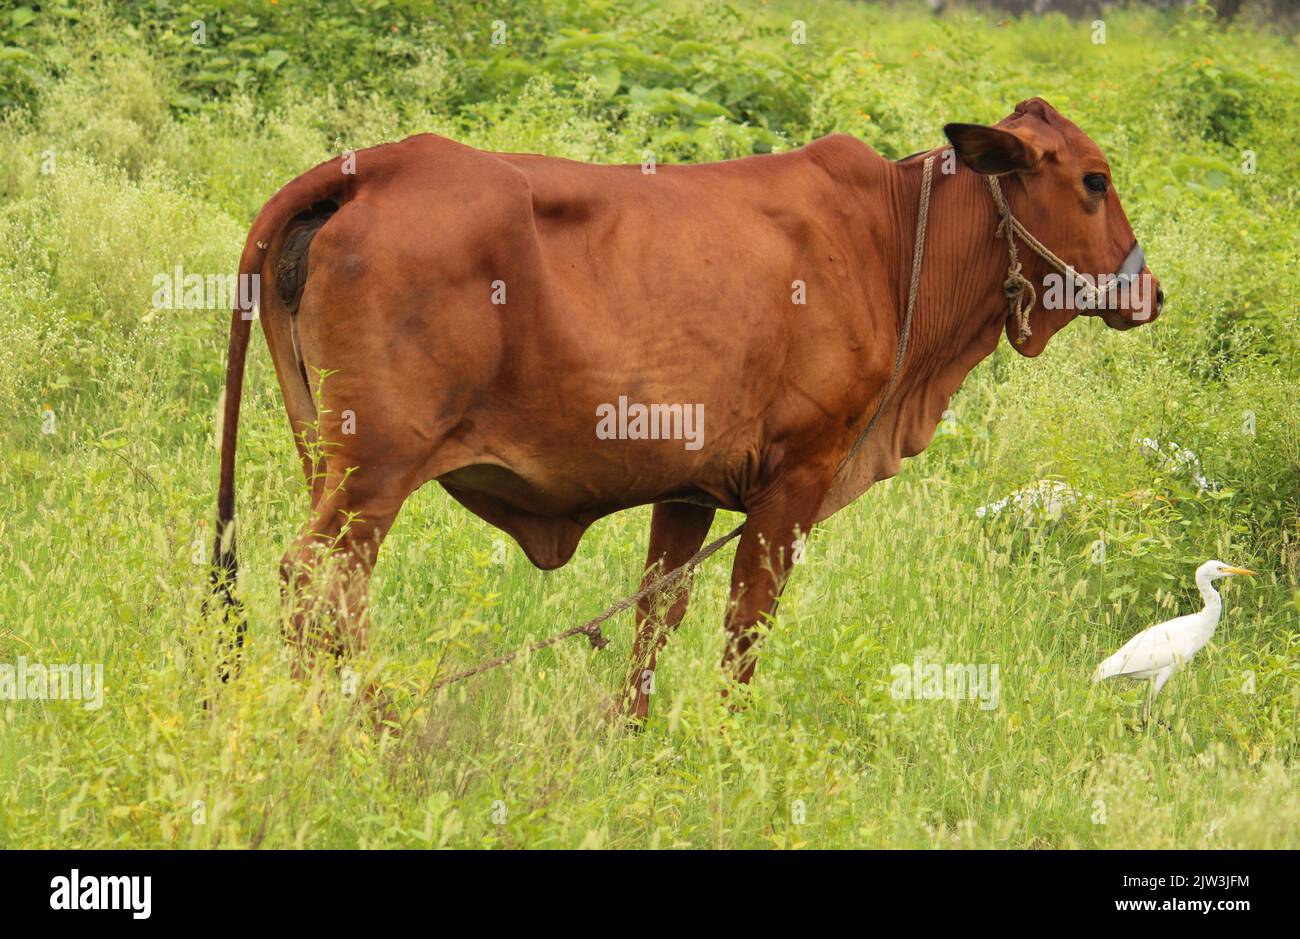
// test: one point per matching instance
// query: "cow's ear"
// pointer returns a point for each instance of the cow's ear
(992, 150)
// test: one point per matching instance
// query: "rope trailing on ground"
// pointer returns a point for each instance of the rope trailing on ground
(591, 628)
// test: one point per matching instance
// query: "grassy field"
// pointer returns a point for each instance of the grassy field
(131, 149)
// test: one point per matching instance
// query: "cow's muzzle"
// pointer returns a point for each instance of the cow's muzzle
(1134, 296)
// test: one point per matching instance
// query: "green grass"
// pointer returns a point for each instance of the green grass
(162, 158)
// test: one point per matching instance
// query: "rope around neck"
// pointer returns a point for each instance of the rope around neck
(905, 334)
(1020, 292)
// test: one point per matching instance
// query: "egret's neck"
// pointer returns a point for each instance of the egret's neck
(1213, 602)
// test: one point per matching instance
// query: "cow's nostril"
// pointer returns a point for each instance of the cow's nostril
(1160, 299)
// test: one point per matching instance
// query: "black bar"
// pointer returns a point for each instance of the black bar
(343, 889)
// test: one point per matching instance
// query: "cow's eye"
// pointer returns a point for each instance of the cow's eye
(1096, 182)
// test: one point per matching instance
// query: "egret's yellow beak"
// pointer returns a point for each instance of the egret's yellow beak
(1238, 570)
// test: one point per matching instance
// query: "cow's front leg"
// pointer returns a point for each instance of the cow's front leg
(677, 530)
(775, 526)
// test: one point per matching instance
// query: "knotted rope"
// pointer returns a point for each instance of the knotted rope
(1017, 286)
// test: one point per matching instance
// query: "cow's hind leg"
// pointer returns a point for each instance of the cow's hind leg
(325, 574)
(677, 530)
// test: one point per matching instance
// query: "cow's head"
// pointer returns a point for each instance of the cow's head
(1067, 200)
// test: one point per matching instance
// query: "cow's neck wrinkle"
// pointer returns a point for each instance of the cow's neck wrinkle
(958, 320)
(960, 307)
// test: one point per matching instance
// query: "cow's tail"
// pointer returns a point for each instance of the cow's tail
(324, 183)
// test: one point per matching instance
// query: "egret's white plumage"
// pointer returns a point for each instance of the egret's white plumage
(1156, 653)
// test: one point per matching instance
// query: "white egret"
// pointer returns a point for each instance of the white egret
(1157, 652)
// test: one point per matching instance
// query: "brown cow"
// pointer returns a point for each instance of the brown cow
(493, 321)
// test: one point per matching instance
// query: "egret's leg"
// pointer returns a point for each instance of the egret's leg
(1161, 677)
(1157, 683)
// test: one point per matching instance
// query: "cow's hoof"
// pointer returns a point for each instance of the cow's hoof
(618, 714)
(382, 713)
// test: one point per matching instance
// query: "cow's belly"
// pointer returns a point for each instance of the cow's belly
(548, 518)
(564, 481)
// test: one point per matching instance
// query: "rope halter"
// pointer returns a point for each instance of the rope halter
(1020, 292)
